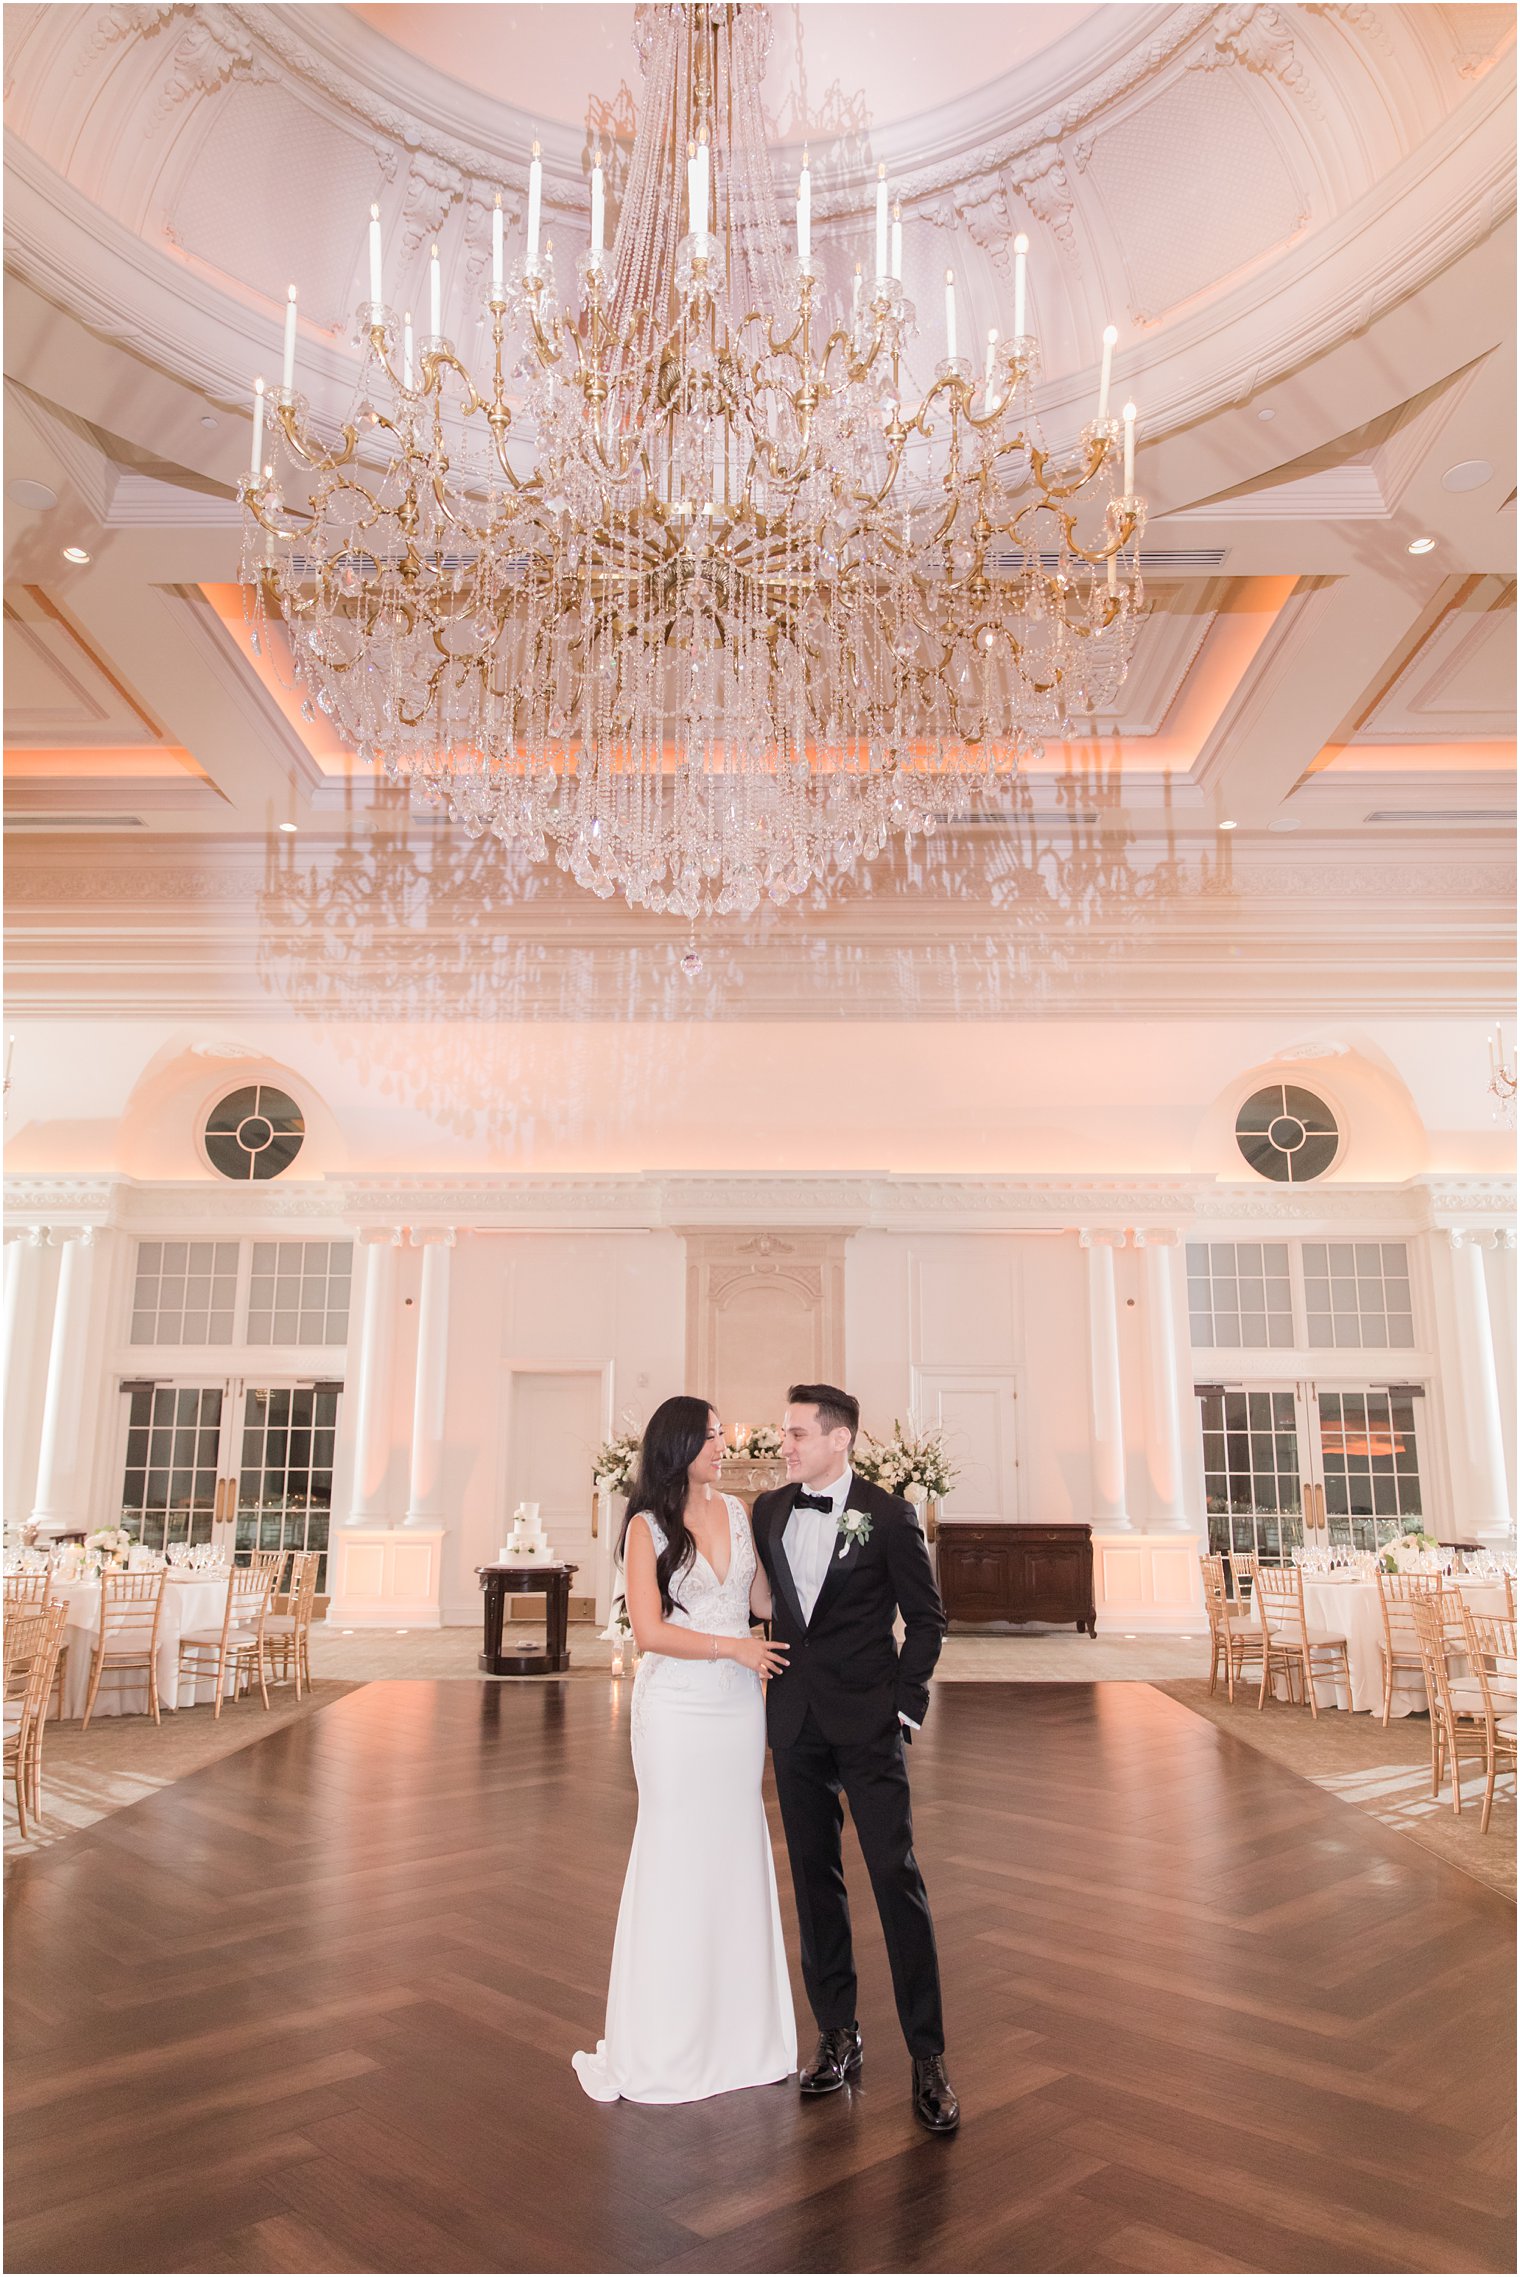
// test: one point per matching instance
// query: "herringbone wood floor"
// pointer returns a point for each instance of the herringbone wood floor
(313, 2008)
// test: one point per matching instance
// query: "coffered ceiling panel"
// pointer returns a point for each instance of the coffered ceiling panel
(1460, 682)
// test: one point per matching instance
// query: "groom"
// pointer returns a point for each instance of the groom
(843, 1557)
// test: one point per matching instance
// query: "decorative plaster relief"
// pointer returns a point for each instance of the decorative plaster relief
(202, 61)
(1260, 40)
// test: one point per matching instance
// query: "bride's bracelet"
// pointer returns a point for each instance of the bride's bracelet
(714, 1643)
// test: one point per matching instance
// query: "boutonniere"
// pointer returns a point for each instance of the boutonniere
(854, 1526)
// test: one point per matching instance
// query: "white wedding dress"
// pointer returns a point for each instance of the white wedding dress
(700, 2002)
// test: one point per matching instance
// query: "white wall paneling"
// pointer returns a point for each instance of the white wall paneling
(764, 1309)
(979, 1416)
(556, 1417)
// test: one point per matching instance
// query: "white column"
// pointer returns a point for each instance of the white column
(27, 1333)
(1489, 1516)
(58, 1503)
(373, 1422)
(1163, 1389)
(1110, 1514)
(426, 1505)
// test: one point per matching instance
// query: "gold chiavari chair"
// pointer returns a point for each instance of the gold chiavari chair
(1488, 1688)
(238, 1645)
(26, 1718)
(1292, 1646)
(1233, 1637)
(1401, 1646)
(131, 1610)
(1455, 1723)
(287, 1634)
(271, 1562)
(36, 1590)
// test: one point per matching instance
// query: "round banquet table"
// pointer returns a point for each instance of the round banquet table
(191, 1601)
(1351, 1607)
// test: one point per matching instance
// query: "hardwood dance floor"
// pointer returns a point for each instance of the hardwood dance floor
(313, 2009)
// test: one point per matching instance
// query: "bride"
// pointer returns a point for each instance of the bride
(699, 2002)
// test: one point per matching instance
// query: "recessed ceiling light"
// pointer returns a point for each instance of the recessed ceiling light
(1283, 822)
(1422, 545)
(75, 553)
(210, 419)
(24, 492)
(289, 826)
(1227, 826)
(1467, 474)
(1266, 412)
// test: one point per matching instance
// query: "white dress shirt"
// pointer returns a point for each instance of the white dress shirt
(812, 1539)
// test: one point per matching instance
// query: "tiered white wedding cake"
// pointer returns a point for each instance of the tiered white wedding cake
(527, 1543)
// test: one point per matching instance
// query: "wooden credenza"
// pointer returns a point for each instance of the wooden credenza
(1017, 1573)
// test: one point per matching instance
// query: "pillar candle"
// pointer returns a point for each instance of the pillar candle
(288, 370)
(535, 205)
(374, 255)
(951, 350)
(881, 221)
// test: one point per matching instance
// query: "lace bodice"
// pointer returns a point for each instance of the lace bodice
(716, 1607)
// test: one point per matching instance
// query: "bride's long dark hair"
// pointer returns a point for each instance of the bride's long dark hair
(674, 1437)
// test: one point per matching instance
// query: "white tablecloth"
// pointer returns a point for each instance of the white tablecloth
(192, 1603)
(1352, 1609)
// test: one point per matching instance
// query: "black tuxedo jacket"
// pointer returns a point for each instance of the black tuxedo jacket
(844, 1664)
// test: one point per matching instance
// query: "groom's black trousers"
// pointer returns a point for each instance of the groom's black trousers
(811, 1776)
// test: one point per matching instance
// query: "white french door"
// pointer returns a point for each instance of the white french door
(228, 1460)
(1336, 1465)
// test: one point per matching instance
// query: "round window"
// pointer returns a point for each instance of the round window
(1287, 1134)
(254, 1133)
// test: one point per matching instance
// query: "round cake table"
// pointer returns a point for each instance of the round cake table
(552, 1583)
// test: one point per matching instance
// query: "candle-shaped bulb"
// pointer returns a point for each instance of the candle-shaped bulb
(256, 454)
(497, 255)
(1129, 450)
(882, 255)
(374, 256)
(702, 179)
(805, 211)
(951, 347)
(991, 360)
(435, 296)
(1110, 335)
(897, 242)
(288, 368)
(406, 350)
(598, 206)
(1020, 285)
(535, 205)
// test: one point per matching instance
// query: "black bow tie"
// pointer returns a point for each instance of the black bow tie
(815, 1502)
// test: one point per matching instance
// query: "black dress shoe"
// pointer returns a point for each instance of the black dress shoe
(836, 2058)
(934, 2099)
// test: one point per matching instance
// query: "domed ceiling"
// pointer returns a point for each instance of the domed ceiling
(1300, 219)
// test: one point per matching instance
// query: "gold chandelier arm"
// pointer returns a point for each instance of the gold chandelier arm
(324, 462)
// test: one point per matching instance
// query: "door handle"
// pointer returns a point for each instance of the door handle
(1319, 1503)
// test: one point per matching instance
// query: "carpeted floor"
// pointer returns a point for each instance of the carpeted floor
(1386, 1773)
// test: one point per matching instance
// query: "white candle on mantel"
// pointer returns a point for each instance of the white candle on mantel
(406, 350)
(374, 255)
(598, 207)
(435, 296)
(1020, 263)
(256, 454)
(805, 211)
(288, 368)
(1110, 335)
(496, 246)
(991, 359)
(950, 341)
(881, 221)
(1129, 450)
(535, 205)
(897, 242)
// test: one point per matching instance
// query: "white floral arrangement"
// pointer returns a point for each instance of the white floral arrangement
(619, 1629)
(615, 1464)
(757, 1444)
(912, 1463)
(1412, 1553)
(109, 1542)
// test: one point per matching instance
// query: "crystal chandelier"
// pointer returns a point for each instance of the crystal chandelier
(692, 587)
